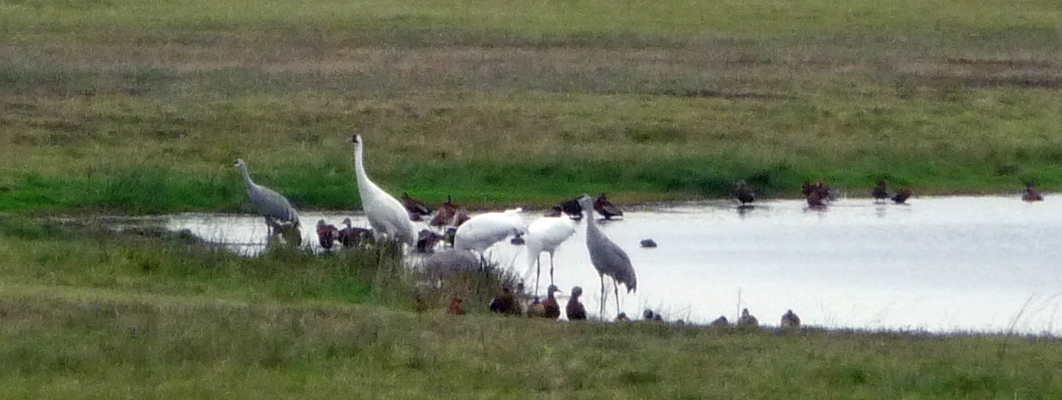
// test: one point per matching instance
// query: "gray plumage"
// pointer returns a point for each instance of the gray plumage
(607, 258)
(386, 214)
(275, 208)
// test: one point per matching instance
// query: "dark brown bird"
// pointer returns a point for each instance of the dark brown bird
(605, 207)
(415, 207)
(745, 194)
(881, 191)
(326, 234)
(1031, 194)
(426, 241)
(457, 306)
(570, 207)
(505, 304)
(575, 309)
(720, 322)
(352, 236)
(747, 320)
(901, 195)
(622, 317)
(448, 213)
(552, 308)
(817, 194)
(790, 320)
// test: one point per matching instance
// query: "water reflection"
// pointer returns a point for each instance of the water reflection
(939, 264)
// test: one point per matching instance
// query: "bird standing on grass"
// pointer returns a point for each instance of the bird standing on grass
(386, 215)
(604, 207)
(790, 320)
(575, 309)
(747, 320)
(607, 258)
(505, 303)
(275, 208)
(552, 308)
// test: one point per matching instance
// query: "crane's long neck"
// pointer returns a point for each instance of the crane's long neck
(588, 214)
(359, 164)
(247, 177)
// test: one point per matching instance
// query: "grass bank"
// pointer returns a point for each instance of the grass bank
(89, 313)
(525, 104)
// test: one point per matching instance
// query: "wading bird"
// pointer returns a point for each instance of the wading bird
(546, 234)
(607, 258)
(448, 213)
(352, 236)
(745, 194)
(1031, 194)
(881, 191)
(415, 207)
(570, 207)
(386, 215)
(747, 320)
(901, 195)
(326, 234)
(790, 320)
(275, 208)
(484, 230)
(575, 309)
(604, 207)
(817, 194)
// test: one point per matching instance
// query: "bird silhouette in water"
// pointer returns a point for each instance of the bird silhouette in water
(605, 207)
(388, 218)
(790, 320)
(745, 195)
(327, 234)
(352, 236)
(276, 209)
(881, 191)
(747, 320)
(607, 258)
(575, 309)
(457, 306)
(416, 208)
(817, 194)
(901, 195)
(505, 303)
(570, 207)
(1031, 194)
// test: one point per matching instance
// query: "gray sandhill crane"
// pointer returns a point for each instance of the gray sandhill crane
(607, 258)
(275, 208)
(386, 214)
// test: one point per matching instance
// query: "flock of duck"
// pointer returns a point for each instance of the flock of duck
(457, 240)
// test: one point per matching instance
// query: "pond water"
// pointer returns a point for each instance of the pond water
(943, 264)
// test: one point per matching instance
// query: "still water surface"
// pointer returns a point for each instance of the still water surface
(939, 264)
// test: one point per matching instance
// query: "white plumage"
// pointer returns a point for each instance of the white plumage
(484, 230)
(386, 215)
(267, 203)
(546, 234)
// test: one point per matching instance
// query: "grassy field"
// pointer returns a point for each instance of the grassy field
(141, 107)
(87, 314)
